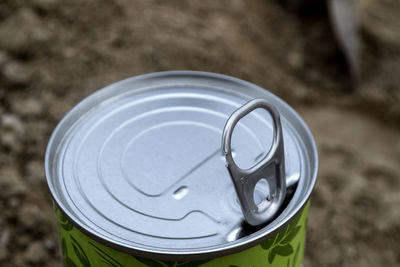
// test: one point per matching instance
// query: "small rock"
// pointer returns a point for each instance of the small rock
(237, 5)
(45, 5)
(35, 253)
(351, 250)
(14, 202)
(49, 244)
(4, 241)
(46, 76)
(16, 31)
(17, 73)
(3, 254)
(295, 60)
(330, 255)
(12, 132)
(4, 238)
(23, 30)
(300, 92)
(18, 260)
(41, 34)
(69, 52)
(11, 184)
(346, 224)
(23, 240)
(11, 142)
(29, 106)
(3, 58)
(313, 75)
(30, 216)
(10, 122)
(35, 172)
(381, 20)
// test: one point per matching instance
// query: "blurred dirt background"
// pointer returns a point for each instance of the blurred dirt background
(53, 53)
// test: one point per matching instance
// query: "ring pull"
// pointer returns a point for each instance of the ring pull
(270, 168)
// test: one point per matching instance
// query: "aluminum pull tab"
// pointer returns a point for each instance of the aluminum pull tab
(271, 168)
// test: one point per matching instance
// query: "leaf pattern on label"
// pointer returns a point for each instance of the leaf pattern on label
(280, 244)
(291, 235)
(80, 253)
(288, 263)
(296, 255)
(105, 257)
(63, 221)
(159, 263)
(191, 263)
(267, 244)
(67, 261)
(70, 263)
(151, 263)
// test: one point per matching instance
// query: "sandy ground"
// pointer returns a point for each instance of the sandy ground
(54, 53)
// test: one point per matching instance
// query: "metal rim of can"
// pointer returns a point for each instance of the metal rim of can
(211, 252)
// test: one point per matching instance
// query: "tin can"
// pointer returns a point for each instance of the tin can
(139, 176)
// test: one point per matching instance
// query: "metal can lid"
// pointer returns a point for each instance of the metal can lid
(138, 164)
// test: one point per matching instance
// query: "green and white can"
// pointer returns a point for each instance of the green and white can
(139, 176)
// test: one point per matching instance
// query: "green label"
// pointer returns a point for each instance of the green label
(285, 249)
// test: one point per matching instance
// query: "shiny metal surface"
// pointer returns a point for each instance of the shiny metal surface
(138, 165)
(270, 168)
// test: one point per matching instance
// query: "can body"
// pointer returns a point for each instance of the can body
(285, 248)
(139, 178)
